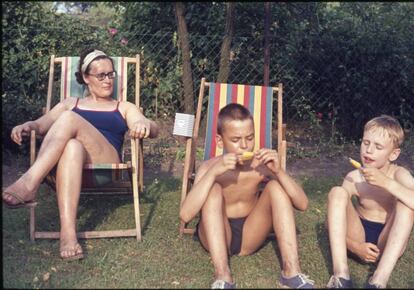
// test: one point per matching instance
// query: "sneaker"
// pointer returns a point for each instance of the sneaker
(336, 282)
(370, 285)
(300, 281)
(220, 284)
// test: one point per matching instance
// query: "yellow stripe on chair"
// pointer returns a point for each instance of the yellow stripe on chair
(256, 114)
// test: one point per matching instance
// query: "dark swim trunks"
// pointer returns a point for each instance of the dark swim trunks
(372, 230)
(236, 225)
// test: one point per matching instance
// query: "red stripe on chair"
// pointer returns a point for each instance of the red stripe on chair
(246, 96)
(263, 118)
(215, 114)
(234, 93)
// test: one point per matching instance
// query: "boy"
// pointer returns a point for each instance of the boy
(377, 229)
(235, 219)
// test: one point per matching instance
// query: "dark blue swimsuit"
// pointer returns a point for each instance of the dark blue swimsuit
(111, 124)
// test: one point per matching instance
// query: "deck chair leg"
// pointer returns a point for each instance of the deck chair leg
(32, 224)
(135, 186)
(186, 173)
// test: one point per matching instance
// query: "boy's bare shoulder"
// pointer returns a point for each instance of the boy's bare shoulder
(351, 180)
(404, 176)
(353, 176)
(206, 164)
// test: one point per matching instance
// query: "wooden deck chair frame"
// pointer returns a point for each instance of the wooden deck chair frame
(189, 163)
(134, 167)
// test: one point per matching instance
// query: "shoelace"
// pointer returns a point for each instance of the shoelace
(305, 279)
(334, 282)
(218, 284)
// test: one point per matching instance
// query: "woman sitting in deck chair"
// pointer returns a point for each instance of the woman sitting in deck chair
(78, 131)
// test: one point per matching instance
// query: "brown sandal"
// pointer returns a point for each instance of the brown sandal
(77, 253)
(21, 201)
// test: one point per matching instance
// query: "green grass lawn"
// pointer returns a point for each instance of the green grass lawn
(164, 259)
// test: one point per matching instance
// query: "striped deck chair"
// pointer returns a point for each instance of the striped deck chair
(259, 101)
(119, 178)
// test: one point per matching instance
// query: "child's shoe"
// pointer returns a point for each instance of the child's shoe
(300, 281)
(220, 284)
(338, 283)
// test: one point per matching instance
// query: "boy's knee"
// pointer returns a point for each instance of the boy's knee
(403, 209)
(274, 188)
(338, 193)
(215, 195)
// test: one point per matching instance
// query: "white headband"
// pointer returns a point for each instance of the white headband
(90, 57)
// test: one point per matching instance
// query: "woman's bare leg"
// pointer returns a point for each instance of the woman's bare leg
(68, 185)
(69, 126)
(71, 141)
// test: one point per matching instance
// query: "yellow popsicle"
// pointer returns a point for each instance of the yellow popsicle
(354, 163)
(247, 156)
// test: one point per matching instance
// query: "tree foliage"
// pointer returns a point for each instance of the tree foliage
(357, 56)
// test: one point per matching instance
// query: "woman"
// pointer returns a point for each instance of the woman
(78, 131)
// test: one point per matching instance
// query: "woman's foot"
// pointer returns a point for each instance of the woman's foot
(71, 252)
(19, 194)
(69, 247)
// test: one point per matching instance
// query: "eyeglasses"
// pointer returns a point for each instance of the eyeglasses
(111, 75)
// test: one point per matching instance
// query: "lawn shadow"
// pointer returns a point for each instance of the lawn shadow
(323, 242)
(152, 193)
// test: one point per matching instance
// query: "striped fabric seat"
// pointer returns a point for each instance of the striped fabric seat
(259, 101)
(69, 87)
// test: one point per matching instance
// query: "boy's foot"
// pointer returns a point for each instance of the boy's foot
(338, 283)
(370, 285)
(300, 281)
(221, 284)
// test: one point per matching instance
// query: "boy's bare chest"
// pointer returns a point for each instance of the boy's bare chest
(375, 198)
(240, 181)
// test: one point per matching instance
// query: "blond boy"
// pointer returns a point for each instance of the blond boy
(235, 218)
(378, 227)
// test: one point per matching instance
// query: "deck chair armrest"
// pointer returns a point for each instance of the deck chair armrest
(32, 146)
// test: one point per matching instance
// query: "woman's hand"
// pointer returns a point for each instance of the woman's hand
(20, 131)
(270, 158)
(141, 128)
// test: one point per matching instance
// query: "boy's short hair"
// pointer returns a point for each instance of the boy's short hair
(232, 112)
(390, 125)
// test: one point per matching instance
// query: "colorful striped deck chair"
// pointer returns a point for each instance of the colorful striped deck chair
(258, 99)
(119, 178)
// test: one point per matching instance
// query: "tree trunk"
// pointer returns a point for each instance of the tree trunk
(224, 69)
(187, 78)
(266, 68)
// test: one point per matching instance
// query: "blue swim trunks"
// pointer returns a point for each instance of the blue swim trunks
(236, 225)
(372, 230)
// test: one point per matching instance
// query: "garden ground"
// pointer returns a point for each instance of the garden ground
(164, 259)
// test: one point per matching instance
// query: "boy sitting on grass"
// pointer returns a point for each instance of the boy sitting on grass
(235, 218)
(377, 229)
